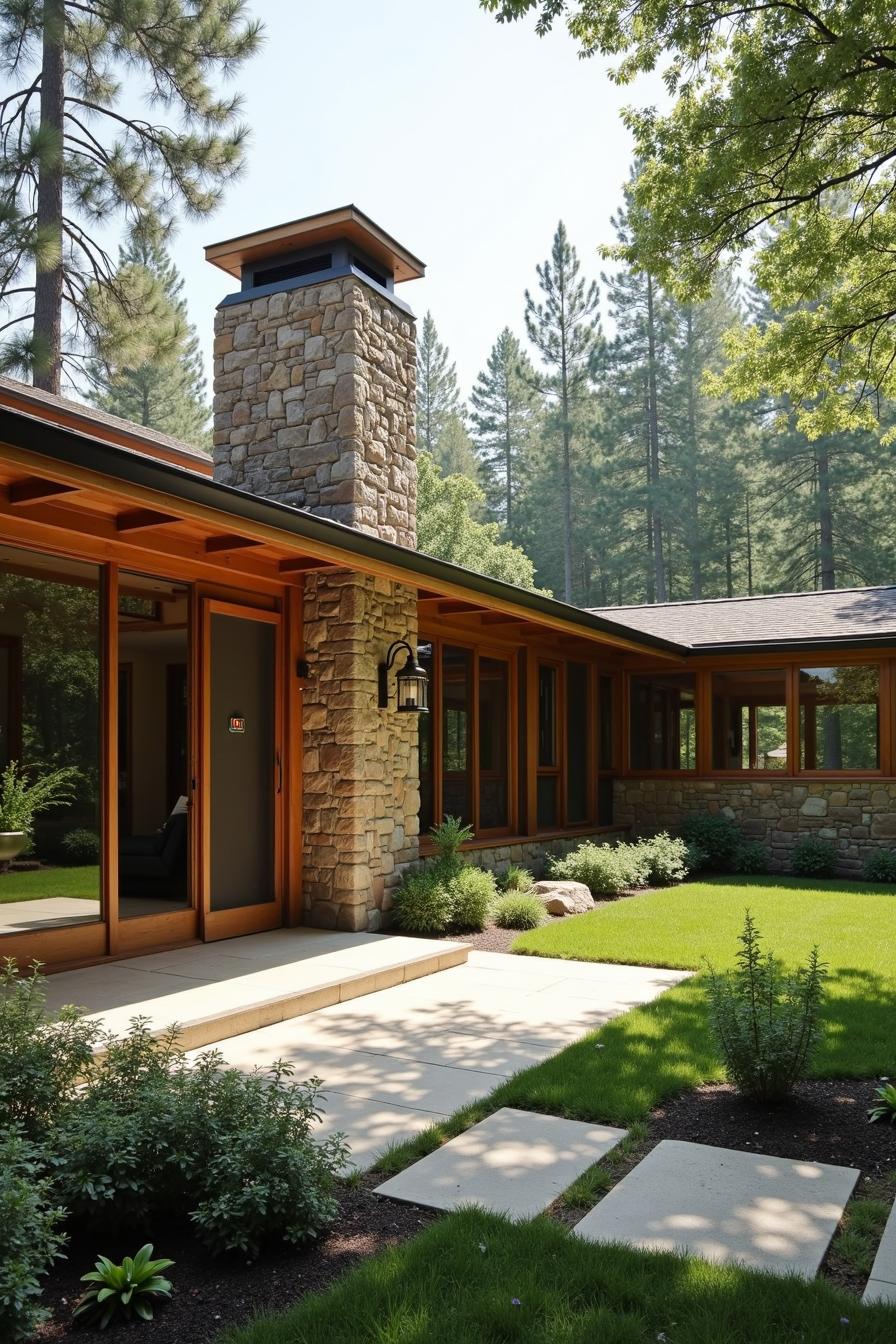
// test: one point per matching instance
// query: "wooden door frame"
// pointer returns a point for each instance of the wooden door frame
(217, 924)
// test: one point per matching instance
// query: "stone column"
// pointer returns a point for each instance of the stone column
(314, 407)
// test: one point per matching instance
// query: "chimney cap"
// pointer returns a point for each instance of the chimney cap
(347, 222)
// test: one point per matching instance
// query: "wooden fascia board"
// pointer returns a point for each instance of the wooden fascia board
(140, 495)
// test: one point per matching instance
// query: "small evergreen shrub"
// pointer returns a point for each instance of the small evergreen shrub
(448, 837)
(518, 910)
(766, 1022)
(423, 903)
(696, 858)
(605, 869)
(80, 847)
(30, 1239)
(666, 859)
(129, 1289)
(716, 835)
(880, 866)
(472, 893)
(814, 857)
(42, 1054)
(515, 879)
(751, 857)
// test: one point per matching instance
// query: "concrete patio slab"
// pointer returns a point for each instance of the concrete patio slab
(515, 1162)
(882, 1283)
(412, 1054)
(217, 990)
(726, 1206)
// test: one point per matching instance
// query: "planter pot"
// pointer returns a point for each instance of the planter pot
(11, 844)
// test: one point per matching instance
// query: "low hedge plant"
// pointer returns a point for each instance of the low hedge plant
(814, 857)
(518, 910)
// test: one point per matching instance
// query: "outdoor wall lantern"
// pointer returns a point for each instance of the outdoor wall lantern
(412, 683)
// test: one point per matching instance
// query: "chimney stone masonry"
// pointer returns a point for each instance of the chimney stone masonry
(315, 368)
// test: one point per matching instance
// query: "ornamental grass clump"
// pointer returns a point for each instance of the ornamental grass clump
(766, 1021)
(518, 910)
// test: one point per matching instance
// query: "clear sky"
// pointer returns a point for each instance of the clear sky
(465, 139)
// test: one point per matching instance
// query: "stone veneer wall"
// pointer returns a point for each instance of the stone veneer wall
(361, 783)
(314, 404)
(857, 816)
(534, 854)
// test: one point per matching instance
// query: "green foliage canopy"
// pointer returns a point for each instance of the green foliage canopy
(782, 115)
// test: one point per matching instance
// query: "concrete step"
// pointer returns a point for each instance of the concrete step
(217, 990)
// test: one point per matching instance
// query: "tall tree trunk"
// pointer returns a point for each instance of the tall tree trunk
(653, 431)
(825, 517)
(729, 572)
(48, 283)
(749, 550)
(693, 469)
(567, 451)
(508, 462)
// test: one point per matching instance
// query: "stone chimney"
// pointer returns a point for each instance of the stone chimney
(315, 368)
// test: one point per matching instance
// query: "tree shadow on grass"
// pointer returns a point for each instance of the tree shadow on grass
(859, 1039)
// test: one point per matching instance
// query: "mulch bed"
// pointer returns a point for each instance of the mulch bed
(212, 1294)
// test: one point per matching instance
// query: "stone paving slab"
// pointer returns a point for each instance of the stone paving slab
(514, 1162)
(882, 1283)
(726, 1206)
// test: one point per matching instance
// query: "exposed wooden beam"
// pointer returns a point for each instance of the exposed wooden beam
(221, 545)
(35, 490)
(133, 520)
(500, 618)
(304, 564)
(458, 608)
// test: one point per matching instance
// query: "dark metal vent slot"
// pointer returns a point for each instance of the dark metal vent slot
(291, 270)
(367, 269)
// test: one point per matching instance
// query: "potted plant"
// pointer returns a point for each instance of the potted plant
(21, 799)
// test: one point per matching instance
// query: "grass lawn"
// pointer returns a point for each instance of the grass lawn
(82, 883)
(473, 1277)
(618, 1074)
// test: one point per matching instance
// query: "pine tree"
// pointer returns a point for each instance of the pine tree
(565, 329)
(76, 149)
(454, 454)
(505, 407)
(437, 394)
(157, 378)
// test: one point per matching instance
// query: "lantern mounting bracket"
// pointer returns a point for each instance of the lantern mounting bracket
(412, 672)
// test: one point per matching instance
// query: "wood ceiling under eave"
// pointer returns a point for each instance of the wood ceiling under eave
(43, 502)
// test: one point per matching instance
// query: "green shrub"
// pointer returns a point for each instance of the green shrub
(518, 910)
(23, 797)
(472, 894)
(30, 1239)
(696, 858)
(766, 1022)
(884, 1107)
(715, 835)
(814, 857)
(448, 837)
(152, 1136)
(666, 859)
(423, 902)
(605, 869)
(880, 866)
(80, 847)
(129, 1289)
(42, 1055)
(751, 857)
(515, 879)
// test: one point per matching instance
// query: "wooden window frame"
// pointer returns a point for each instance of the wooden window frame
(790, 663)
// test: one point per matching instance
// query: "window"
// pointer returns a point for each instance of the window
(749, 720)
(494, 765)
(49, 721)
(548, 785)
(457, 698)
(425, 746)
(839, 718)
(606, 744)
(662, 722)
(577, 743)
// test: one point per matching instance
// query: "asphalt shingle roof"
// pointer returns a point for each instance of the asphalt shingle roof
(782, 618)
